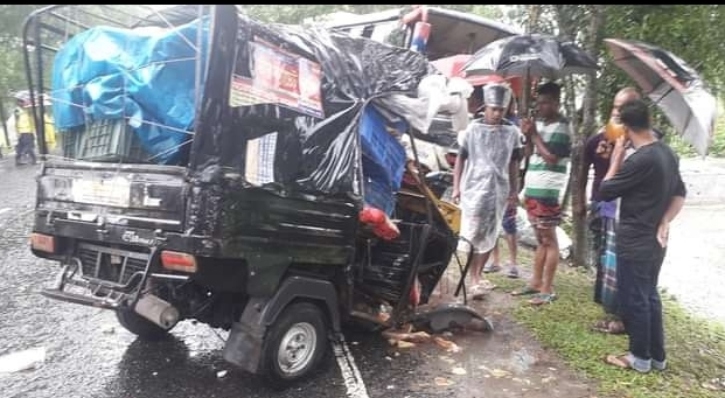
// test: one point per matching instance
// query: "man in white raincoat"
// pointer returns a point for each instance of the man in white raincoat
(485, 177)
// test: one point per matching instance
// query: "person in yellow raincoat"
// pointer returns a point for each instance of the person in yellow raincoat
(26, 131)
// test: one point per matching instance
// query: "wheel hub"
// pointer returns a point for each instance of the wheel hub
(297, 348)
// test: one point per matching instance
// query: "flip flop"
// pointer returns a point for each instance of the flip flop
(622, 362)
(479, 292)
(543, 298)
(527, 291)
(491, 269)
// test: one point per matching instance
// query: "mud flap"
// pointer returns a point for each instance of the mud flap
(244, 345)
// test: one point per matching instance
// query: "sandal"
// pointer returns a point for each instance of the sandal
(528, 290)
(491, 269)
(622, 362)
(543, 298)
(479, 292)
(609, 327)
(488, 285)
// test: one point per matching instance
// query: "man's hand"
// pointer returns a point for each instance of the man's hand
(513, 200)
(620, 148)
(604, 149)
(663, 233)
(456, 195)
(528, 127)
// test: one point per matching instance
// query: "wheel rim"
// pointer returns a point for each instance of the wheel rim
(297, 348)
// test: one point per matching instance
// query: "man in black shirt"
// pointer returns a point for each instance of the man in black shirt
(652, 193)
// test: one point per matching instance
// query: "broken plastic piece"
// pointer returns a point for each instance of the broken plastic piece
(447, 344)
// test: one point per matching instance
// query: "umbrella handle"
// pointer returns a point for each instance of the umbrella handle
(526, 94)
(526, 112)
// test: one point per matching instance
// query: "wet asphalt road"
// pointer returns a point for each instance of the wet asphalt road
(90, 355)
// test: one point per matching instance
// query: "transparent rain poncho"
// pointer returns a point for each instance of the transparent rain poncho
(485, 182)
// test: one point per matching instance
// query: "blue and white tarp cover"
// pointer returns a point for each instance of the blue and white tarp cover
(146, 76)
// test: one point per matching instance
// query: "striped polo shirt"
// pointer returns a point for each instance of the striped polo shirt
(545, 181)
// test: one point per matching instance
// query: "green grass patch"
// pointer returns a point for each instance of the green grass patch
(695, 346)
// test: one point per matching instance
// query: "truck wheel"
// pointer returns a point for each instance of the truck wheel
(295, 344)
(140, 326)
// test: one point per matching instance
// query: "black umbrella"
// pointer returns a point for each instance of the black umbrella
(530, 55)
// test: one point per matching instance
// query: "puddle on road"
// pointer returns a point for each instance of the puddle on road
(521, 360)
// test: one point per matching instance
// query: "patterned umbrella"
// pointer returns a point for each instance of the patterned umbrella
(453, 67)
(673, 86)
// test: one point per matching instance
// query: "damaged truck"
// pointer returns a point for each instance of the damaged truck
(243, 175)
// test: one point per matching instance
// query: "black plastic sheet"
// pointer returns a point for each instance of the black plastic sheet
(317, 143)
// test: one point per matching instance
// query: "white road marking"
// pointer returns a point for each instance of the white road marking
(5, 210)
(350, 373)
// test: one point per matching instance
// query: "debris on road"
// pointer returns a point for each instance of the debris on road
(108, 329)
(22, 360)
(447, 344)
(417, 337)
(401, 343)
(442, 382)
(500, 373)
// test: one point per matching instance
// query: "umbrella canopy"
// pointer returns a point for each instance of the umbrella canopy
(534, 55)
(671, 84)
(453, 67)
(24, 95)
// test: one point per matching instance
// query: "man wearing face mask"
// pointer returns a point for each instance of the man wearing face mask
(485, 178)
(652, 193)
(602, 214)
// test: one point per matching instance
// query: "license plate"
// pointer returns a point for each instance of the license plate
(110, 192)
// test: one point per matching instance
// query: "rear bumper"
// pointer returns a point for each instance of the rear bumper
(111, 234)
(84, 283)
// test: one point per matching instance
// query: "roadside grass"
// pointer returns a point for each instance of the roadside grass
(695, 346)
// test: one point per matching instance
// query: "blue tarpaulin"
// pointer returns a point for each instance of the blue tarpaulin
(144, 75)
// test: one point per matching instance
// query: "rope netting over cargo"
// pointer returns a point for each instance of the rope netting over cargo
(123, 81)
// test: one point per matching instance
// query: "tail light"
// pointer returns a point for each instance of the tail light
(178, 261)
(43, 243)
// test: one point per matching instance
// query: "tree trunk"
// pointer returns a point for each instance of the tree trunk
(569, 26)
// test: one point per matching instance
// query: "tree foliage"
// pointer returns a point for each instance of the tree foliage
(690, 31)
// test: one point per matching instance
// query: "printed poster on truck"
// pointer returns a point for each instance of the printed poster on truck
(279, 77)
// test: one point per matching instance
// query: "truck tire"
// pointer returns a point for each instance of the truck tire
(295, 344)
(140, 326)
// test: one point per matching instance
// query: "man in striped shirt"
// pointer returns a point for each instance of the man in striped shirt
(546, 179)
